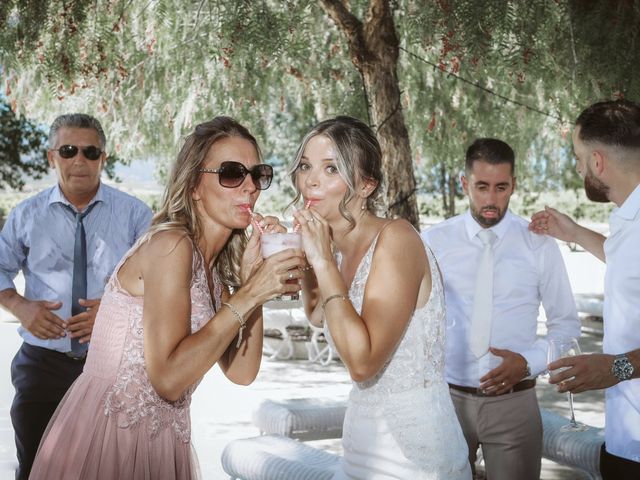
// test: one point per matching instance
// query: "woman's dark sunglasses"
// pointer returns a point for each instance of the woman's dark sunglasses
(232, 174)
(70, 151)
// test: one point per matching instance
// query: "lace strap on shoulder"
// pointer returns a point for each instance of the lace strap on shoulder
(375, 240)
(436, 273)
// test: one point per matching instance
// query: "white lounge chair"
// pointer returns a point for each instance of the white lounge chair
(274, 457)
(317, 418)
(302, 418)
(574, 449)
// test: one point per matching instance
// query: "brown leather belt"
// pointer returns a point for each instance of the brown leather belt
(518, 387)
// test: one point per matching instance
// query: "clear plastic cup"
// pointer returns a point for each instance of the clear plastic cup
(272, 243)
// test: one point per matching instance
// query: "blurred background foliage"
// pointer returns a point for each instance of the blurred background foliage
(513, 69)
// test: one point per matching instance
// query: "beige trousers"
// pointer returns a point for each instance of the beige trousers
(509, 430)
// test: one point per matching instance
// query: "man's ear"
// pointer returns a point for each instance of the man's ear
(50, 154)
(599, 162)
(465, 184)
(103, 160)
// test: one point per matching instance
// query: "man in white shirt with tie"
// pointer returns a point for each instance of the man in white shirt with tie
(496, 274)
(606, 142)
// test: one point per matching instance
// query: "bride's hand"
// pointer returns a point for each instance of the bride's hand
(316, 236)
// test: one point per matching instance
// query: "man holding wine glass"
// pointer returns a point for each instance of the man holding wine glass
(606, 142)
(496, 275)
(560, 349)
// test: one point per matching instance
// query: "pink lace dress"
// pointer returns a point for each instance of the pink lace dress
(111, 423)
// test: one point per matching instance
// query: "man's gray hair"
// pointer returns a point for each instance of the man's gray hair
(76, 120)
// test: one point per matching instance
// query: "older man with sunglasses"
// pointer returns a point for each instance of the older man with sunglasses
(66, 240)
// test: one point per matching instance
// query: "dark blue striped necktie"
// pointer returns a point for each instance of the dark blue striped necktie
(79, 288)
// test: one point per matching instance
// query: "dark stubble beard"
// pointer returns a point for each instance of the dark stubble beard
(596, 190)
(487, 222)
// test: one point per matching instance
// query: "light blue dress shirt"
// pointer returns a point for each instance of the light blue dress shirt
(38, 238)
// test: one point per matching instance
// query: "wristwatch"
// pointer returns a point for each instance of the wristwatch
(622, 368)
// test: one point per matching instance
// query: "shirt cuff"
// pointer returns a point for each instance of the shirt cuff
(537, 360)
(6, 282)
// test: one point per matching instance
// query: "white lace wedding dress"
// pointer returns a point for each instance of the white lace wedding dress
(401, 423)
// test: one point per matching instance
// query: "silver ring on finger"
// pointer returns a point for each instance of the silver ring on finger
(290, 276)
(312, 219)
(504, 384)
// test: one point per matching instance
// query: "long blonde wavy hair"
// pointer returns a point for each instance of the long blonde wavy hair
(358, 156)
(178, 210)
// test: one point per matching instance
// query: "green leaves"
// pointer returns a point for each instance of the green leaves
(151, 70)
(23, 149)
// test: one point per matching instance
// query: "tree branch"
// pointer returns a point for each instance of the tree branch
(379, 29)
(350, 25)
(378, 12)
(343, 18)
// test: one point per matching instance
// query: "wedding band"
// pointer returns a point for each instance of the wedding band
(312, 219)
(290, 275)
(503, 384)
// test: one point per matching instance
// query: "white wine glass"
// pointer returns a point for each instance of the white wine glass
(560, 349)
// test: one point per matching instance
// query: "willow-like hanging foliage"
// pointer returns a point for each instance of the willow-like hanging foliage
(520, 70)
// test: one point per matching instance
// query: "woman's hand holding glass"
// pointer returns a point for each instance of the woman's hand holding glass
(316, 238)
(252, 257)
(276, 276)
(272, 277)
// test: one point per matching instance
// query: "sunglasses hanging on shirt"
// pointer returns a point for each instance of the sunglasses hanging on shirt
(70, 151)
(232, 174)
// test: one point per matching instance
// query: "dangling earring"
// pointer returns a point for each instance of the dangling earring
(364, 206)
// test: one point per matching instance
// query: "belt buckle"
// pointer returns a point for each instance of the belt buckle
(72, 356)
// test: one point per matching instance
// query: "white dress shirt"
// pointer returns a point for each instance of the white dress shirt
(622, 325)
(528, 270)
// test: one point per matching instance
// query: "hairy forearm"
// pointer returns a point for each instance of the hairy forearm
(11, 301)
(592, 242)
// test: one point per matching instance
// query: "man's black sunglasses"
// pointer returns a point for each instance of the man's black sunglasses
(70, 151)
(232, 174)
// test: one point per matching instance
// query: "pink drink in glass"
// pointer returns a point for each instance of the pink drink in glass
(272, 243)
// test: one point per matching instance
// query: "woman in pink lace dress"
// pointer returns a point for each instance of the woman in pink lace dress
(186, 296)
(379, 291)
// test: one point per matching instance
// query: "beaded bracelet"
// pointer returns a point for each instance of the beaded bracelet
(241, 321)
(333, 297)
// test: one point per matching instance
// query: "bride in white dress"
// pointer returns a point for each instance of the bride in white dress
(379, 290)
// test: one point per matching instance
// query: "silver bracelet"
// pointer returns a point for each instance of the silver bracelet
(241, 321)
(333, 297)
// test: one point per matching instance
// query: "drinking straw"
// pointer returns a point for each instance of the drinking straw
(296, 229)
(254, 221)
